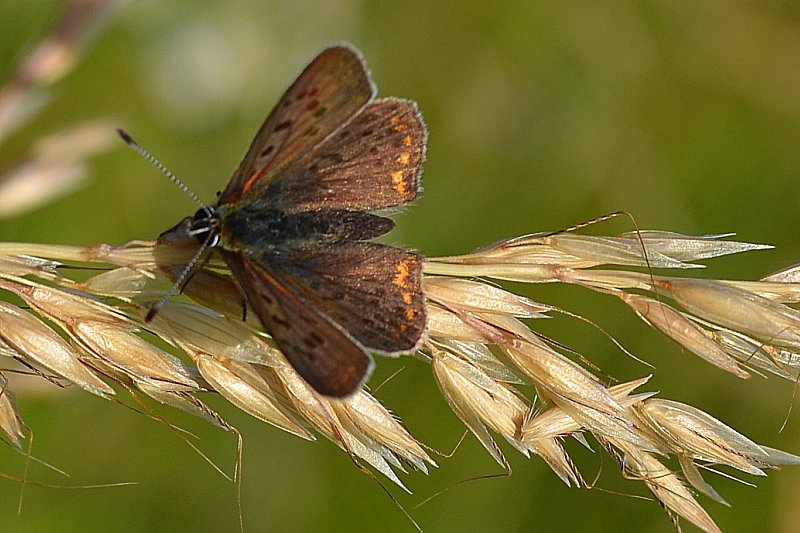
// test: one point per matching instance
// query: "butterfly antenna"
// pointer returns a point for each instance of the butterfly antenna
(180, 282)
(160, 166)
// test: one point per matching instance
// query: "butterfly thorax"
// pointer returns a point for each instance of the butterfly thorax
(246, 227)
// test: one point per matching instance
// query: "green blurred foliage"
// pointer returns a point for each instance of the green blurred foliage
(541, 115)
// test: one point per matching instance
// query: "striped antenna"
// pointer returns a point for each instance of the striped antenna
(164, 170)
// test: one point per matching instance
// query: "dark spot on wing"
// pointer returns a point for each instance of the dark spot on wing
(313, 339)
(283, 125)
(268, 150)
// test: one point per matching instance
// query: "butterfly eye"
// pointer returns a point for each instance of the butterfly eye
(205, 226)
(203, 214)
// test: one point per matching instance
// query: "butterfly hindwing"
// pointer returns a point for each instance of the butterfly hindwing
(372, 162)
(331, 90)
(371, 290)
(318, 349)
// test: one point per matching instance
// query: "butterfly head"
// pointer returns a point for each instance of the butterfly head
(203, 228)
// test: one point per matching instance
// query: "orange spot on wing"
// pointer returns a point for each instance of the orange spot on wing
(407, 140)
(404, 158)
(399, 182)
(401, 278)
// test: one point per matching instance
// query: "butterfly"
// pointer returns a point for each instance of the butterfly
(294, 224)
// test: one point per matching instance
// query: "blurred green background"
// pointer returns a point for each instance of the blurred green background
(541, 115)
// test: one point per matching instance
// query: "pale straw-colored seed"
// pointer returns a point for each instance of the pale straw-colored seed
(125, 351)
(64, 306)
(503, 328)
(614, 251)
(456, 391)
(482, 357)
(529, 250)
(479, 401)
(787, 293)
(183, 401)
(370, 450)
(23, 265)
(554, 455)
(736, 309)
(664, 485)
(244, 387)
(692, 474)
(321, 415)
(375, 421)
(311, 407)
(691, 247)
(123, 283)
(575, 390)
(683, 331)
(197, 329)
(477, 296)
(39, 344)
(8, 351)
(554, 422)
(779, 361)
(10, 422)
(103, 332)
(445, 323)
(542, 432)
(788, 275)
(694, 432)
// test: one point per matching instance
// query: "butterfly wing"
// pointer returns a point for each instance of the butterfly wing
(371, 290)
(320, 351)
(331, 90)
(372, 162)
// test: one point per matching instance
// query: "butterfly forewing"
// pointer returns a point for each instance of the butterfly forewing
(373, 291)
(330, 91)
(372, 162)
(319, 350)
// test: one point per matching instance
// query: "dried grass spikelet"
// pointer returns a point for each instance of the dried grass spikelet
(10, 421)
(482, 354)
(662, 482)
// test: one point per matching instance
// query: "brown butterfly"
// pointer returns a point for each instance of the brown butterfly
(293, 222)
